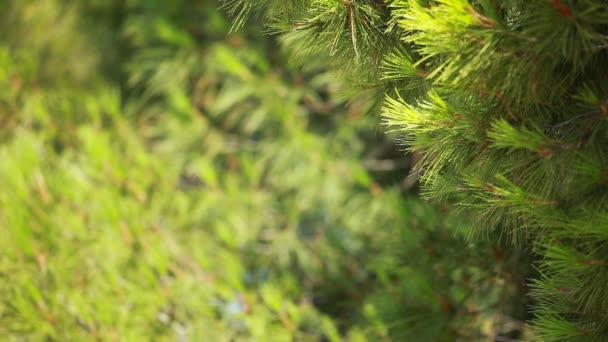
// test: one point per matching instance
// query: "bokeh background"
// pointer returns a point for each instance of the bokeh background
(165, 179)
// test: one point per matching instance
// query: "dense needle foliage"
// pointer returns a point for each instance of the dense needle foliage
(165, 181)
(507, 101)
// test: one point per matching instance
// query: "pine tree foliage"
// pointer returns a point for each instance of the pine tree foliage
(508, 101)
(354, 32)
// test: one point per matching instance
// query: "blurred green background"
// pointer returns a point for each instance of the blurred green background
(165, 180)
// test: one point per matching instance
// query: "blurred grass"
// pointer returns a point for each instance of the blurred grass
(164, 181)
(109, 239)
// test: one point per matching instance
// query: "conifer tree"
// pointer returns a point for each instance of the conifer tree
(507, 101)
